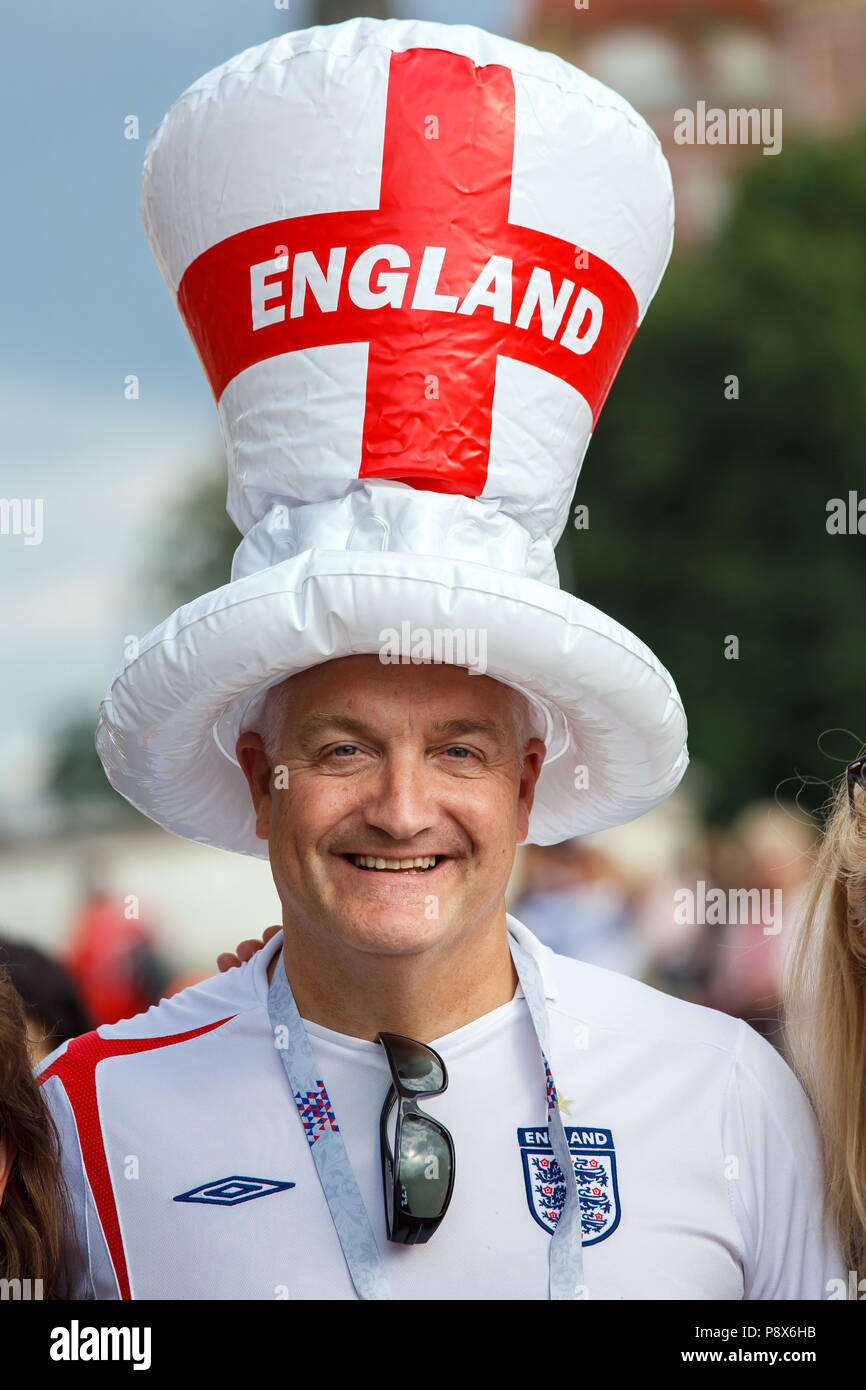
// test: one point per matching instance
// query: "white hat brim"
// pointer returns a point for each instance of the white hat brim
(170, 719)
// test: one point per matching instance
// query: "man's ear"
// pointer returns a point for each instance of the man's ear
(533, 759)
(256, 767)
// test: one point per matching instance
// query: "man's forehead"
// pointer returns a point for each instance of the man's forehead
(362, 697)
(345, 675)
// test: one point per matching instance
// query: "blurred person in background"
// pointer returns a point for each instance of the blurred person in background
(53, 1010)
(771, 853)
(111, 955)
(678, 946)
(824, 993)
(34, 1204)
(575, 900)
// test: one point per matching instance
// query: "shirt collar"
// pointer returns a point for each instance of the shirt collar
(543, 954)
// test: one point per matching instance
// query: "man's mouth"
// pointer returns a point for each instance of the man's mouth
(421, 864)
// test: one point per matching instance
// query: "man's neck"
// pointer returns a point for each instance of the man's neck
(423, 996)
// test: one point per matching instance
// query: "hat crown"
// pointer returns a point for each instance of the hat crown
(386, 516)
(408, 254)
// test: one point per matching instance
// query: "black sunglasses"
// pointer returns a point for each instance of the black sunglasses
(418, 1186)
(856, 773)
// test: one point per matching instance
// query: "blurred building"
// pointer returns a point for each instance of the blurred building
(806, 59)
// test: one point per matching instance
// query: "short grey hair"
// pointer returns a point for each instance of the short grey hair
(273, 718)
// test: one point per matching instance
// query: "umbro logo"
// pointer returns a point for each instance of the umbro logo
(230, 1192)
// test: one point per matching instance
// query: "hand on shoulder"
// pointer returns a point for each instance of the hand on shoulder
(244, 951)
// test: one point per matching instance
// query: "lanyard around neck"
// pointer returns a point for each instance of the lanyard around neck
(339, 1185)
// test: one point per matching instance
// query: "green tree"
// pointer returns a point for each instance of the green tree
(77, 780)
(335, 11)
(708, 515)
(193, 553)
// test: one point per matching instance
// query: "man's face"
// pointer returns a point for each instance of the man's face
(393, 763)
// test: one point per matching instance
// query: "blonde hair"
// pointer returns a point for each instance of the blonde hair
(825, 1013)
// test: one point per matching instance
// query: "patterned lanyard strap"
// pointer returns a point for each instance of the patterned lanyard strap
(342, 1194)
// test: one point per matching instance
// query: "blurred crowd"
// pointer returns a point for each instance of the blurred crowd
(714, 932)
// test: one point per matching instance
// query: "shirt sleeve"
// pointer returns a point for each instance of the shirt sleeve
(89, 1273)
(775, 1178)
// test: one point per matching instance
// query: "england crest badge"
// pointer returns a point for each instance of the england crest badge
(592, 1154)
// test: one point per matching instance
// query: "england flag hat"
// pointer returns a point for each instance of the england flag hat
(411, 257)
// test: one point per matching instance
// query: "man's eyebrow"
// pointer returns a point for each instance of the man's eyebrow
(477, 724)
(316, 724)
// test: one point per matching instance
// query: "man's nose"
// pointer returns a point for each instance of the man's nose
(399, 800)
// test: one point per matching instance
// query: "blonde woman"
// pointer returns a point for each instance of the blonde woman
(825, 1008)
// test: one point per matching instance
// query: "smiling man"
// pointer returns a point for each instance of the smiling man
(393, 839)
(404, 1094)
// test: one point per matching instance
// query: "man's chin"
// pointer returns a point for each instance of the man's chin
(390, 927)
(397, 923)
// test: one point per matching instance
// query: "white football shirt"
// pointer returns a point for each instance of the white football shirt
(695, 1148)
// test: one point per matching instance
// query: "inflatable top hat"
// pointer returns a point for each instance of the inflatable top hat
(411, 257)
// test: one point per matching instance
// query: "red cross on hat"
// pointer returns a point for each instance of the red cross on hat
(436, 278)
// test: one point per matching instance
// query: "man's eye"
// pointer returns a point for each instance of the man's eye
(458, 748)
(342, 747)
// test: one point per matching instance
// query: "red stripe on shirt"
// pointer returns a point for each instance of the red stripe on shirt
(76, 1070)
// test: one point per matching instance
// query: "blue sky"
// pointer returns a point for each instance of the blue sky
(83, 306)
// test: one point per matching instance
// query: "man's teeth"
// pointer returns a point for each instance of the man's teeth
(368, 861)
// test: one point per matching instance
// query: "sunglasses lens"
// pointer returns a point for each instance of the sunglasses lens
(424, 1169)
(418, 1069)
